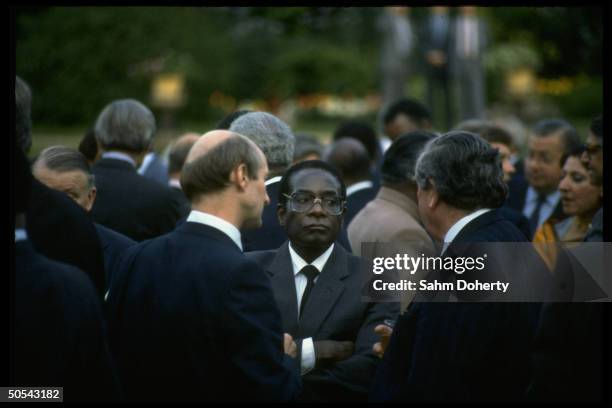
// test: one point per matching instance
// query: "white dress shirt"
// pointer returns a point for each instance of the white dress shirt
(273, 180)
(119, 156)
(453, 231)
(547, 208)
(362, 185)
(176, 183)
(218, 223)
(308, 354)
(20, 234)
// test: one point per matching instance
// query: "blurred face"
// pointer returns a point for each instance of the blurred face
(257, 196)
(578, 195)
(593, 158)
(542, 168)
(504, 154)
(399, 125)
(427, 204)
(314, 228)
(73, 183)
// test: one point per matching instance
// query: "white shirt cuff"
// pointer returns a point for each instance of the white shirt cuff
(308, 356)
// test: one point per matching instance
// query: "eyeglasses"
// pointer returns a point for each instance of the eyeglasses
(303, 202)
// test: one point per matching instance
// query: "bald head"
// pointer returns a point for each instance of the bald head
(350, 158)
(212, 159)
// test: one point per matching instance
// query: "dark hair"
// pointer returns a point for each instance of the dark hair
(400, 158)
(465, 169)
(350, 158)
(568, 133)
(63, 159)
(361, 131)
(576, 152)
(178, 155)
(597, 127)
(226, 122)
(23, 118)
(496, 134)
(88, 145)
(284, 184)
(211, 171)
(409, 107)
(306, 144)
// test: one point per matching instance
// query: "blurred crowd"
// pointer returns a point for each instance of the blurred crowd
(229, 267)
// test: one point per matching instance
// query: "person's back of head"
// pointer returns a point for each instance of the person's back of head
(125, 125)
(361, 131)
(23, 117)
(179, 151)
(400, 158)
(497, 134)
(307, 147)
(406, 115)
(88, 146)
(273, 136)
(465, 171)
(596, 127)
(476, 126)
(350, 158)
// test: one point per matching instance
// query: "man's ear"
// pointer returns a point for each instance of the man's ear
(240, 176)
(91, 198)
(281, 213)
(434, 198)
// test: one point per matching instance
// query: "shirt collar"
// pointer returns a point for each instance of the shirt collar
(119, 156)
(362, 185)
(176, 183)
(218, 223)
(146, 162)
(20, 234)
(453, 231)
(552, 198)
(272, 180)
(299, 263)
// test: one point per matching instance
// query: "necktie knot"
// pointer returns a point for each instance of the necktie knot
(310, 271)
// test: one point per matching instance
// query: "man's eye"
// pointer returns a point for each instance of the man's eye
(302, 199)
(331, 201)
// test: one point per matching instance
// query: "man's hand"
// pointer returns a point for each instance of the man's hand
(331, 351)
(289, 346)
(384, 332)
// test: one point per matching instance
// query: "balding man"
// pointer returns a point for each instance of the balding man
(191, 318)
(351, 159)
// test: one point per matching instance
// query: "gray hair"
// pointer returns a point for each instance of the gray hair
(63, 159)
(125, 124)
(23, 118)
(273, 136)
(465, 170)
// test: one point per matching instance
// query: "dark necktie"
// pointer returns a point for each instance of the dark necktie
(535, 215)
(311, 273)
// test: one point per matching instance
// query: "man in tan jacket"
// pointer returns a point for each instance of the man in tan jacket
(390, 224)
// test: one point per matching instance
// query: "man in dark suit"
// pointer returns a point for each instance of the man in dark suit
(66, 170)
(154, 168)
(58, 335)
(190, 318)
(57, 227)
(126, 201)
(463, 351)
(540, 200)
(317, 286)
(351, 159)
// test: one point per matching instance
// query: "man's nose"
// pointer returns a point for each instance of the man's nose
(317, 207)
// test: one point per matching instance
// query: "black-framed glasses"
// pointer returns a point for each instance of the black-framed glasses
(302, 202)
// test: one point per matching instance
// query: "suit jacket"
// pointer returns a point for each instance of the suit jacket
(518, 219)
(113, 246)
(335, 311)
(442, 41)
(131, 204)
(462, 351)
(184, 204)
(61, 230)
(191, 319)
(59, 334)
(356, 201)
(157, 170)
(271, 235)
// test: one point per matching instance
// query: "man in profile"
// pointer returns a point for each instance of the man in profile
(317, 286)
(190, 317)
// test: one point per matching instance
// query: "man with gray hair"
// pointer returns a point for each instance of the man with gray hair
(64, 169)
(463, 351)
(126, 201)
(275, 138)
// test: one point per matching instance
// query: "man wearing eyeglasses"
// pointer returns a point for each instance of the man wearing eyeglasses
(317, 286)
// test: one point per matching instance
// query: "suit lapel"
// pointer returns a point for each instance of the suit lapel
(283, 285)
(325, 293)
